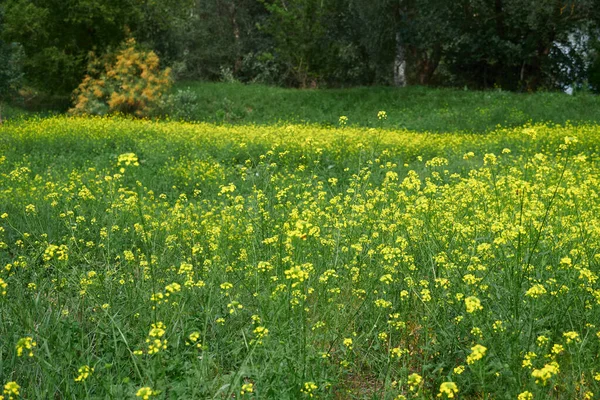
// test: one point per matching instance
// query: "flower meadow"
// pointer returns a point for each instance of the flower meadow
(168, 260)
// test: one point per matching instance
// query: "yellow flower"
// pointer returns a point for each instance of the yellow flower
(489, 158)
(247, 388)
(527, 363)
(557, 349)
(309, 388)
(11, 389)
(473, 304)
(543, 374)
(536, 291)
(348, 343)
(477, 353)
(571, 336)
(146, 392)
(525, 396)
(459, 370)
(397, 352)
(414, 380)
(425, 295)
(448, 390)
(84, 372)
(157, 330)
(25, 343)
(127, 159)
(260, 332)
(498, 326)
(172, 288)
(542, 340)
(381, 303)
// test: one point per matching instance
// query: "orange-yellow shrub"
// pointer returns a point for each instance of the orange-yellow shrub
(129, 81)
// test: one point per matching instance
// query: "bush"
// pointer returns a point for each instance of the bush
(181, 105)
(129, 81)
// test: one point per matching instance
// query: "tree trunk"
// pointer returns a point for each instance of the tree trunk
(428, 63)
(236, 36)
(400, 63)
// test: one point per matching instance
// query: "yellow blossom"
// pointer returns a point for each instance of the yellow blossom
(477, 353)
(525, 396)
(83, 373)
(473, 304)
(542, 375)
(448, 390)
(145, 393)
(26, 343)
(414, 380)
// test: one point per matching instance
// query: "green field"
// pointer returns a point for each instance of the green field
(268, 259)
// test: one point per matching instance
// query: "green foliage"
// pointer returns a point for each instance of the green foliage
(509, 43)
(128, 81)
(11, 58)
(11, 75)
(297, 29)
(594, 68)
(522, 45)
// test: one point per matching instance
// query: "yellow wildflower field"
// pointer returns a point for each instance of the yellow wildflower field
(168, 260)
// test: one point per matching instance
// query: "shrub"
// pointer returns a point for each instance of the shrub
(129, 81)
(181, 105)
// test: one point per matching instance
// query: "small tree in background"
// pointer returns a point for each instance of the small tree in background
(128, 81)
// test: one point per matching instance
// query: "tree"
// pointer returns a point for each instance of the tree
(406, 39)
(297, 27)
(58, 35)
(10, 68)
(509, 43)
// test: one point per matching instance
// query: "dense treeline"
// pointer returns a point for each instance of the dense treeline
(521, 45)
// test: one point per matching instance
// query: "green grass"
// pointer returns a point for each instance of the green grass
(418, 109)
(414, 108)
(12, 112)
(195, 260)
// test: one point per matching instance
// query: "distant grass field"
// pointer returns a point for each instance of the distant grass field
(169, 260)
(420, 109)
(415, 108)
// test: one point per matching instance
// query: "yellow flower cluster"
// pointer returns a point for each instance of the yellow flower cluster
(543, 374)
(83, 373)
(309, 389)
(25, 344)
(448, 390)
(10, 391)
(473, 304)
(477, 353)
(146, 392)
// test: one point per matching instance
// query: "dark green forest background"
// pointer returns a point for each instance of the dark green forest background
(518, 45)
